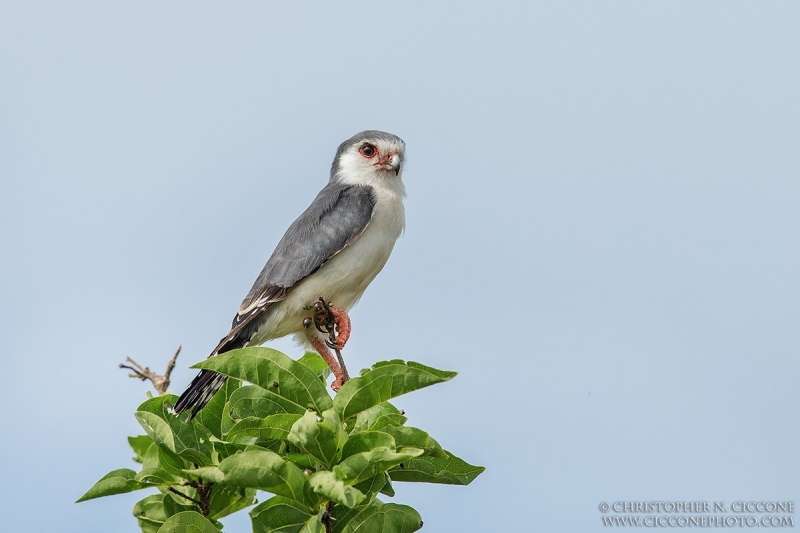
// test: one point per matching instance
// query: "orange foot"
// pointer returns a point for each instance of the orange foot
(343, 328)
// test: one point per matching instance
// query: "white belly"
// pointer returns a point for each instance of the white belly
(344, 278)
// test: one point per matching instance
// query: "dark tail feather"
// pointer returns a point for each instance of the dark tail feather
(199, 392)
(207, 382)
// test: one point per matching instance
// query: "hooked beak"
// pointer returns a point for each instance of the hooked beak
(393, 164)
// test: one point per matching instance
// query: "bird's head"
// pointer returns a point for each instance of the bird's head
(372, 158)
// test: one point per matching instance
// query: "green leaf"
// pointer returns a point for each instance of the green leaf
(264, 470)
(316, 363)
(266, 367)
(366, 419)
(227, 500)
(207, 473)
(169, 461)
(302, 460)
(253, 429)
(329, 486)
(372, 486)
(151, 456)
(252, 401)
(188, 522)
(226, 449)
(342, 515)
(411, 436)
(154, 510)
(155, 476)
(385, 421)
(115, 482)
(364, 465)
(140, 444)
(450, 470)
(189, 440)
(321, 438)
(366, 441)
(211, 415)
(386, 380)
(387, 488)
(383, 517)
(282, 515)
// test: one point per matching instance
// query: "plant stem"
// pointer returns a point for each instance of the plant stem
(182, 495)
(203, 490)
(326, 518)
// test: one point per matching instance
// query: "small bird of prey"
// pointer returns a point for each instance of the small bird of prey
(333, 251)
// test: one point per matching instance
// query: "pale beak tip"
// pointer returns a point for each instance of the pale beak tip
(394, 164)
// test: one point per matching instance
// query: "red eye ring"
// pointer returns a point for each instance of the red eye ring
(368, 151)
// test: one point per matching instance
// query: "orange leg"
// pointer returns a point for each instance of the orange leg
(322, 349)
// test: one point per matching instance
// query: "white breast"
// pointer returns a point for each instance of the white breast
(345, 277)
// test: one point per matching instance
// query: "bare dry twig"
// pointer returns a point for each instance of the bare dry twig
(160, 382)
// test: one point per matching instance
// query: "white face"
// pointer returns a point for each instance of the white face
(376, 162)
(381, 155)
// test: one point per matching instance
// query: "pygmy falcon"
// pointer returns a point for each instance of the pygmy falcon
(333, 250)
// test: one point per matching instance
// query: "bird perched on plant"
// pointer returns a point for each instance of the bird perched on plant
(333, 250)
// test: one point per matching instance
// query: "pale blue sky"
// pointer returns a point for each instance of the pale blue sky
(602, 235)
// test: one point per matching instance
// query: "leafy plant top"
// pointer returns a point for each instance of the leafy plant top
(324, 460)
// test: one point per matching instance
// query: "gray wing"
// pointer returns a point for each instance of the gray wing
(336, 217)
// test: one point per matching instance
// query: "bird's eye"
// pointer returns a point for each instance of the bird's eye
(368, 150)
